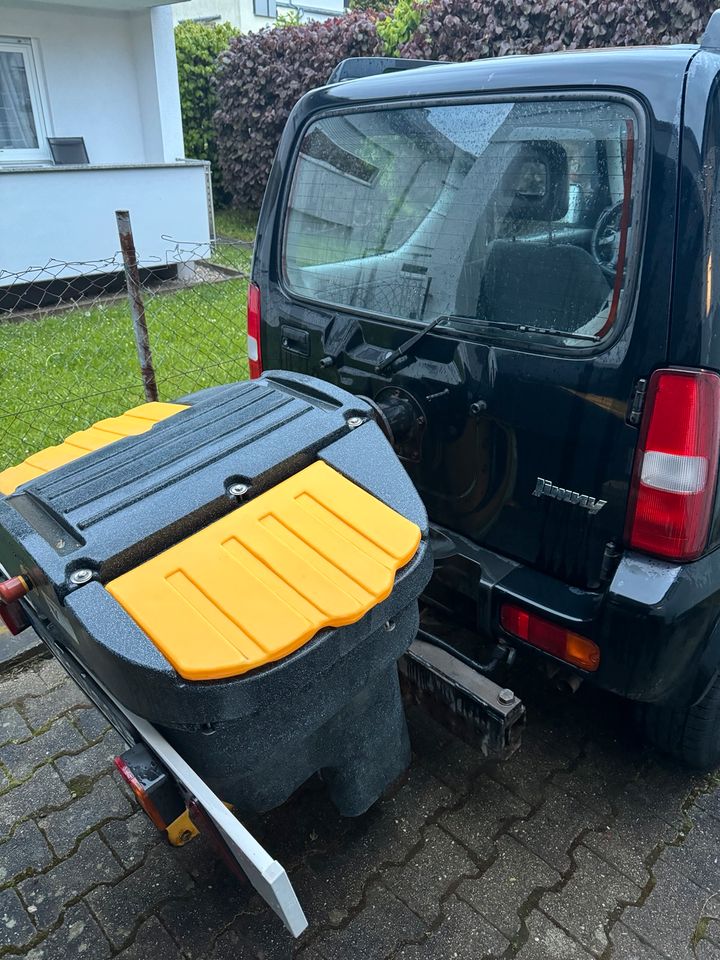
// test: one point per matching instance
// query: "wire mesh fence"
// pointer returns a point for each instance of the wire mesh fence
(68, 354)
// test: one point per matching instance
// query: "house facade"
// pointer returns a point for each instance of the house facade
(252, 15)
(90, 123)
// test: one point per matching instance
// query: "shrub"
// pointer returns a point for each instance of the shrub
(400, 24)
(260, 78)
(198, 46)
(469, 29)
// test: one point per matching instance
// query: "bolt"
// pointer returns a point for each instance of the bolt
(79, 577)
(354, 422)
(238, 489)
(389, 625)
(505, 696)
(60, 544)
(185, 836)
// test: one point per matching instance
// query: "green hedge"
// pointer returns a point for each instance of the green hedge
(198, 46)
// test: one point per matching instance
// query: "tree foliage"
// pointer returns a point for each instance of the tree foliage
(198, 46)
(469, 29)
(261, 76)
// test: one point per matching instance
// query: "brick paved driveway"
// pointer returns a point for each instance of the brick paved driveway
(582, 845)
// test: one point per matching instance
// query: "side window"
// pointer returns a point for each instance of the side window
(22, 126)
(512, 217)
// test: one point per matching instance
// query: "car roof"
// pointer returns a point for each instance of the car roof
(634, 68)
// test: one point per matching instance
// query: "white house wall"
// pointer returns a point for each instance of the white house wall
(241, 12)
(105, 77)
(68, 214)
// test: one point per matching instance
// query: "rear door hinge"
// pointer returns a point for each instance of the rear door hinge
(637, 402)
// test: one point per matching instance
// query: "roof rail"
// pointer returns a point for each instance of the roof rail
(710, 40)
(355, 68)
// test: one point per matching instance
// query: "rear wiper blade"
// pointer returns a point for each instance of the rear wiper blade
(401, 352)
(528, 328)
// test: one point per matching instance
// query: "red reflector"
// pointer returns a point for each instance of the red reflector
(137, 788)
(564, 644)
(676, 463)
(253, 331)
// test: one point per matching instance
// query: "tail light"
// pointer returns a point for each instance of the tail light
(550, 637)
(253, 331)
(676, 464)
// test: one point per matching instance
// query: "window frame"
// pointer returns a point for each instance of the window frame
(13, 156)
(515, 339)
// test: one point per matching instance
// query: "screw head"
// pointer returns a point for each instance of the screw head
(389, 625)
(238, 489)
(186, 836)
(506, 696)
(79, 577)
(354, 422)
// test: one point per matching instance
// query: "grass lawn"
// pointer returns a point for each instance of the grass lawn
(60, 372)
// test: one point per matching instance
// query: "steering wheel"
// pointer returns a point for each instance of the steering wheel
(605, 243)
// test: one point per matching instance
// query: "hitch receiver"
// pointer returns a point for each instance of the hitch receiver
(488, 717)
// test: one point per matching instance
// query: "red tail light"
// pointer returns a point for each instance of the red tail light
(676, 464)
(550, 637)
(253, 331)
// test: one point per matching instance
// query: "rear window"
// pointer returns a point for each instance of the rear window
(515, 217)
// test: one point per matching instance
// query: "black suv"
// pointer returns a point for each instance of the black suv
(518, 262)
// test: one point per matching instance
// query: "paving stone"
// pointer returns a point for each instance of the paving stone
(462, 935)
(631, 837)
(383, 924)
(93, 761)
(118, 907)
(706, 950)
(232, 945)
(44, 790)
(152, 942)
(20, 683)
(698, 855)
(16, 928)
(627, 946)
(17, 649)
(603, 772)
(22, 758)
(46, 894)
(131, 839)
(489, 807)
(194, 923)
(64, 828)
(426, 878)
(554, 826)
(501, 891)
(384, 836)
(47, 705)
(547, 942)
(665, 787)
(12, 726)
(540, 760)
(79, 937)
(668, 918)
(91, 722)
(588, 898)
(25, 850)
(50, 672)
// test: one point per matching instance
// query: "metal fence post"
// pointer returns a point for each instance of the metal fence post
(137, 307)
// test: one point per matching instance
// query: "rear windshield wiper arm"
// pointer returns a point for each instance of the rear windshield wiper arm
(401, 352)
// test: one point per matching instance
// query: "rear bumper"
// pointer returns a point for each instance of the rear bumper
(655, 622)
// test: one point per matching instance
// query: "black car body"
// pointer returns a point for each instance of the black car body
(555, 218)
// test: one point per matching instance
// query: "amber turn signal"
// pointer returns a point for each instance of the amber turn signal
(550, 637)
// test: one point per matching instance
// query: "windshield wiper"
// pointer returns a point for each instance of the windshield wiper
(401, 352)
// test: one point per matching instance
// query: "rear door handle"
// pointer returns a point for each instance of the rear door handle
(295, 340)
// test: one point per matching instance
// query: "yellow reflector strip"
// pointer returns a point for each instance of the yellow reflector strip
(315, 551)
(101, 434)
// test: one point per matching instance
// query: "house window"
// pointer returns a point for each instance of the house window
(22, 127)
(265, 8)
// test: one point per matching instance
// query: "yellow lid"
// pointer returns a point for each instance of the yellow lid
(315, 551)
(101, 434)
